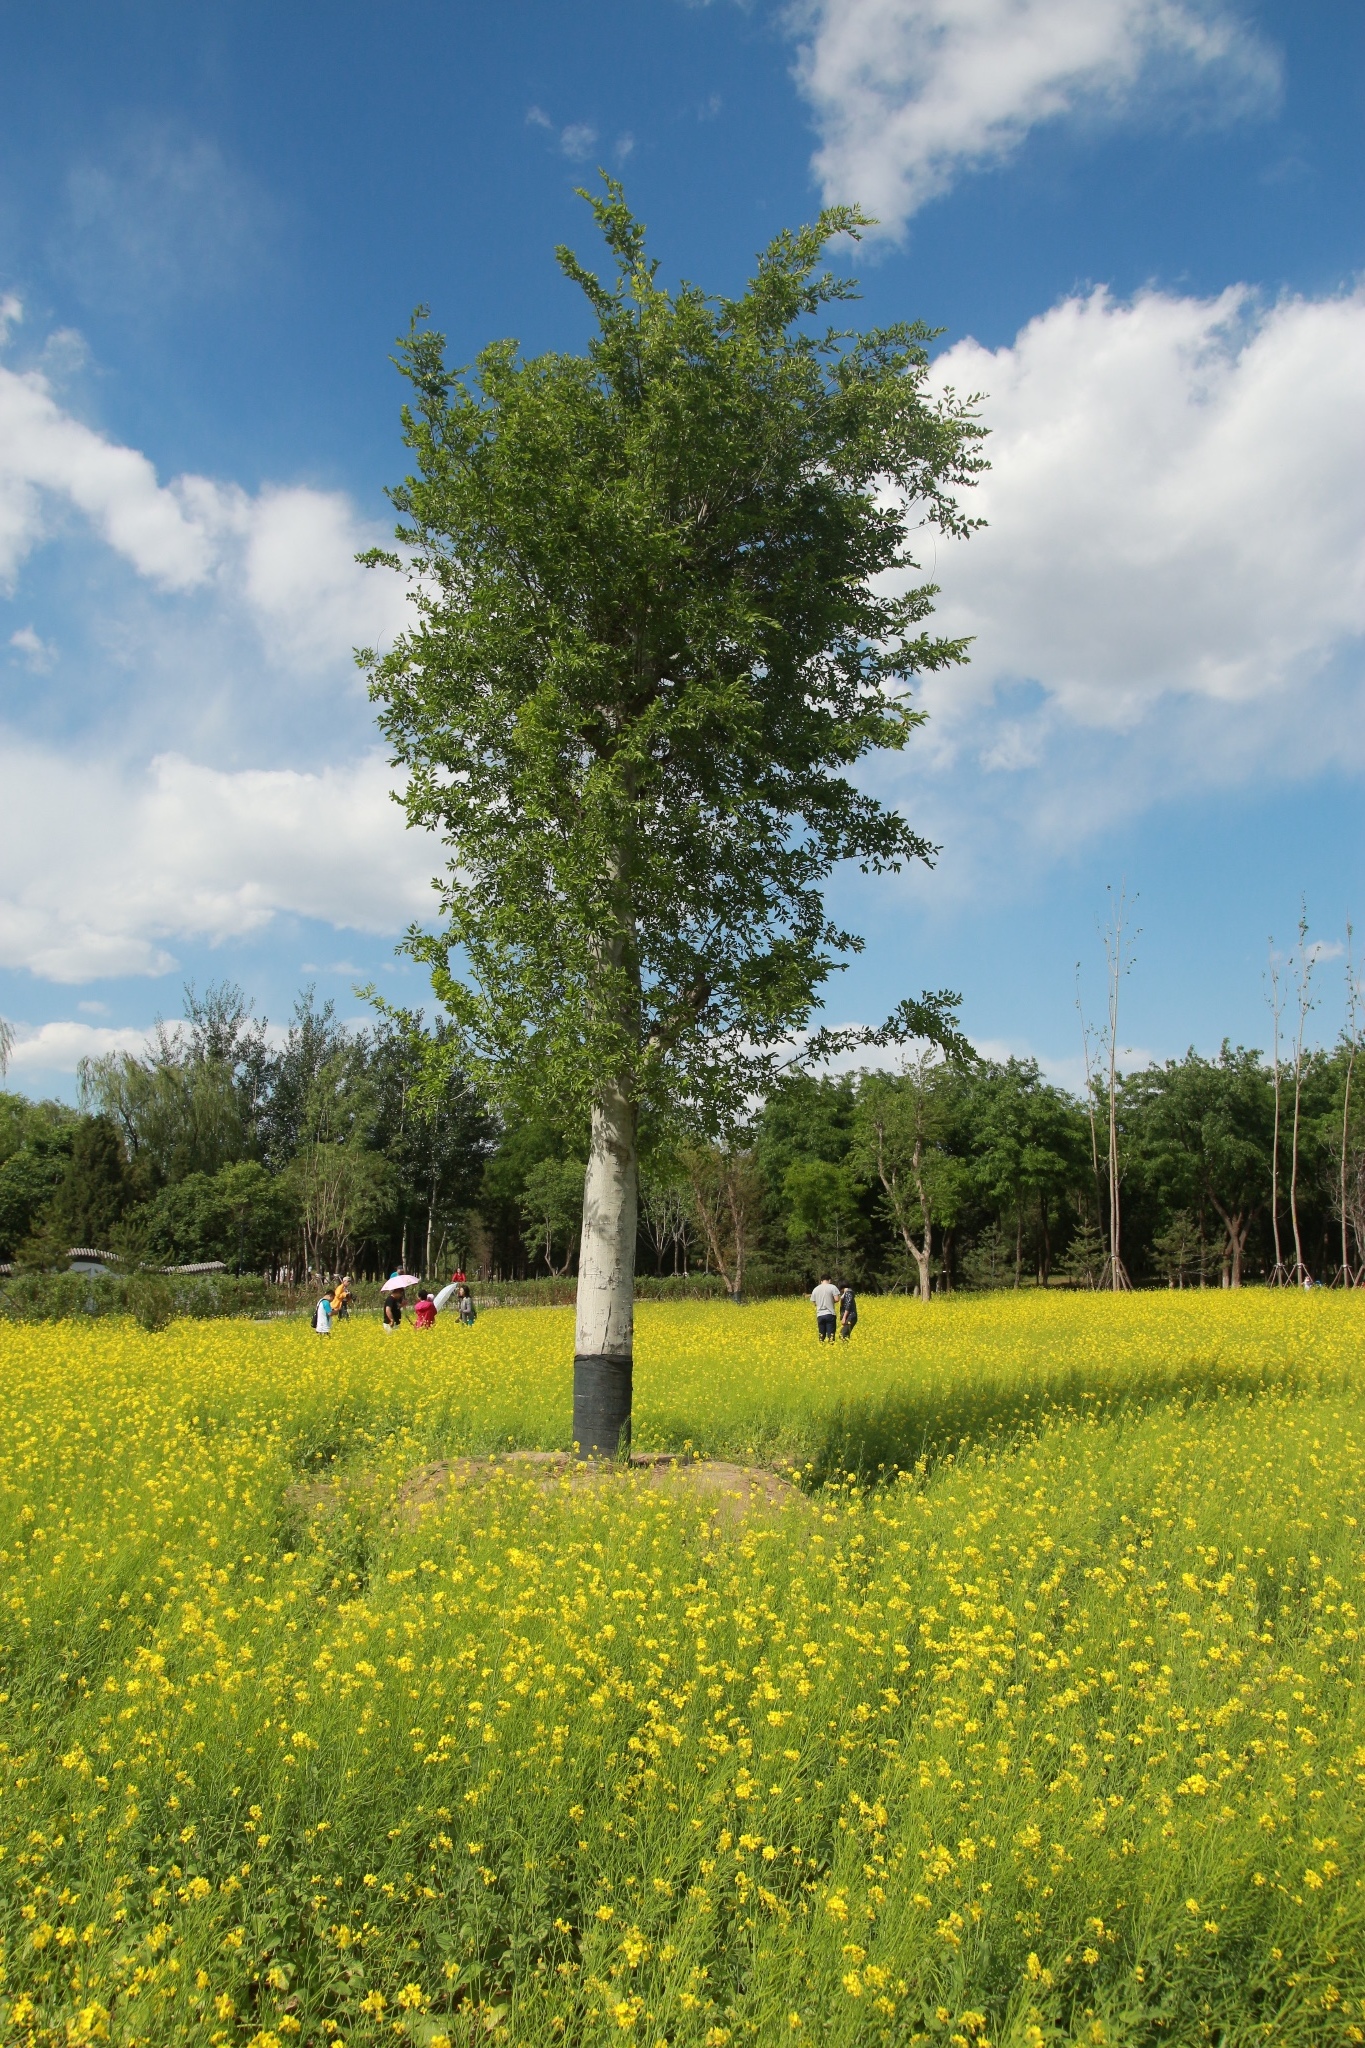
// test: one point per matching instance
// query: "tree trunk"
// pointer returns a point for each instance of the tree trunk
(923, 1253)
(1236, 1225)
(604, 1333)
(1044, 1242)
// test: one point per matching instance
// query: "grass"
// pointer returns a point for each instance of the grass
(1055, 1736)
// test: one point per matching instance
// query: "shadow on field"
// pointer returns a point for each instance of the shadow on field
(913, 1428)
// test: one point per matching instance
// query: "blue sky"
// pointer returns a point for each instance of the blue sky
(1139, 223)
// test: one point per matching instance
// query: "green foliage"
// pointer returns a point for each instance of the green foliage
(152, 1299)
(96, 1188)
(1205, 1128)
(187, 1106)
(822, 1216)
(552, 1209)
(35, 1141)
(338, 1192)
(654, 630)
(243, 1215)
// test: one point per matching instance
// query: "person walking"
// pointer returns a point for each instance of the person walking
(424, 1314)
(322, 1316)
(848, 1310)
(826, 1300)
(464, 1306)
(341, 1298)
(393, 1309)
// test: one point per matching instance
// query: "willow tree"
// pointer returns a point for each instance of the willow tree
(664, 599)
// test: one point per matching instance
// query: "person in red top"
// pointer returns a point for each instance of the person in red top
(424, 1313)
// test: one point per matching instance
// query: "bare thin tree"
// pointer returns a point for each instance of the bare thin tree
(1279, 1276)
(1305, 957)
(1089, 1091)
(6, 1045)
(1348, 1272)
(1118, 955)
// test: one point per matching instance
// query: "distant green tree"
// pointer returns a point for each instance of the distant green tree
(1028, 1144)
(1083, 1262)
(432, 1126)
(191, 1103)
(662, 608)
(822, 1216)
(243, 1215)
(95, 1191)
(319, 1087)
(1205, 1130)
(727, 1205)
(552, 1208)
(902, 1143)
(339, 1192)
(665, 1210)
(35, 1142)
(1180, 1250)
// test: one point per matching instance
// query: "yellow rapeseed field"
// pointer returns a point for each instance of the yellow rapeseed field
(1043, 1725)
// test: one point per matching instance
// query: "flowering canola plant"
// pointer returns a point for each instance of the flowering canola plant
(1032, 1714)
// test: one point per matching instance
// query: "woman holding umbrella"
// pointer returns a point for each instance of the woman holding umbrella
(392, 1292)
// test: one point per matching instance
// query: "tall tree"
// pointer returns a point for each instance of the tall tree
(94, 1194)
(1029, 1149)
(1351, 1043)
(1207, 1127)
(190, 1103)
(903, 1125)
(661, 605)
(432, 1127)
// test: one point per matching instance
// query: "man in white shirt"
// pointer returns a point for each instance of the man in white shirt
(826, 1299)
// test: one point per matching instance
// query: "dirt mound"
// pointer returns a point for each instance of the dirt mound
(734, 1491)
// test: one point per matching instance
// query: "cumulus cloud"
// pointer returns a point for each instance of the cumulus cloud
(1170, 592)
(301, 580)
(287, 555)
(908, 94)
(105, 870)
(166, 534)
(36, 652)
(60, 1046)
(1176, 502)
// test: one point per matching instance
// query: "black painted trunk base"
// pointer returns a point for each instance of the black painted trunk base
(601, 1404)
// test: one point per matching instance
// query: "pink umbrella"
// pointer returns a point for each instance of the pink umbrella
(397, 1280)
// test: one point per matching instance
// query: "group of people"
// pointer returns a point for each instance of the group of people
(335, 1302)
(836, 1310)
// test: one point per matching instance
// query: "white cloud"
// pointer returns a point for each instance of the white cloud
(301, 580)
(165, 533)
(1174, 566)
(907, 94)
(36, 652)
(577, 141)
(60, 1046)
(126, 865)
(285, 556)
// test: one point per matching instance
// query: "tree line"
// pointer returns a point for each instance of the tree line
(338, 1149)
